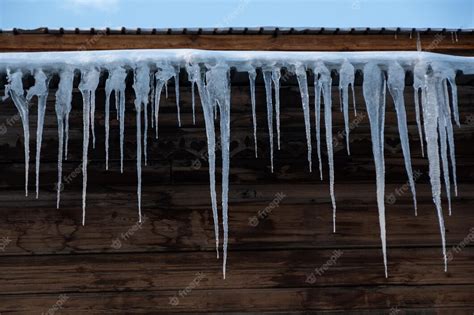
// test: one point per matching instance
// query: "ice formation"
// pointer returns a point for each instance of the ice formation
(434, 87)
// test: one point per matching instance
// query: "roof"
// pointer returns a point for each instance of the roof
(441, 40)
(238, 31)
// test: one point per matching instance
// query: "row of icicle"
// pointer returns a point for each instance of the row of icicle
(434, 82)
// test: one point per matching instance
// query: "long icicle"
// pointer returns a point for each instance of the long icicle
(62, 108)
(267, 77)
(416, 92)
(41, 90)
(15, 90)
(193, 100)
(451, 79)
(218, 86)
(325, 83)
(252, 76)
(208, 111)
(152, 99)
(396, 86)
(141, 86)
(373, 88)
(317, 121)
(346, 79)
(87, 86)
(444, 148)
(176, 91)
(449, 131)
(115, 83)
(276, 75)
(431, 85)
(303, 84)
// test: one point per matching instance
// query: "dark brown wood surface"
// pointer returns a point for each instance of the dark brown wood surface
(51, 263)
(436, 42)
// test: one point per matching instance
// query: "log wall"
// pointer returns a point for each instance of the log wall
(50, 262)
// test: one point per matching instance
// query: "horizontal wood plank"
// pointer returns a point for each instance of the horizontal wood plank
(322, 42)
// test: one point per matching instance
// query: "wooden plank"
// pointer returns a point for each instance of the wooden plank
(322, 42)
(246, 269)
(265, 300)
(179, 219)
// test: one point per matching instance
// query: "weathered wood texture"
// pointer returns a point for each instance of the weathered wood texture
(437, 42)
(168, 264)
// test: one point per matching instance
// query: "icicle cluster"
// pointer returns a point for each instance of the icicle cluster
(209, 71)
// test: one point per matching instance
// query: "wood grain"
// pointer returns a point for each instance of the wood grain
(321, 42)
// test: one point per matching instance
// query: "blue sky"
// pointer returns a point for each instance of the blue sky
(219, 13)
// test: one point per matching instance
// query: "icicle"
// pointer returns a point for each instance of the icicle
(449, 129)
(450, 75)
(445, 121)
(40, 89)
(176, 87)
(164, 73)
(443, 148)
(276, 74)
(166, 89)
(15, 90)
(346, 79)
(396, 86)
(63, 108)
(303, 84)
(252, 77)
(418, 41)
(218, 86)
(193, 103)
(267, 77)
(430, 103)
(87, 86)
(373, 87)
(192, 78)
(115, 82)
(141, 86)
(317, 118)
(158, 88)
(92, 118)
(325, 84)
(417, 88)
(152, 99)
(196, 76)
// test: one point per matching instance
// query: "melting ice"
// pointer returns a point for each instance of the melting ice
(435, 109)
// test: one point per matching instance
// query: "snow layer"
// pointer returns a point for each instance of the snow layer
(434, 88)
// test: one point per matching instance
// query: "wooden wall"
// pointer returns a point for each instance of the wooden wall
(50, 263)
